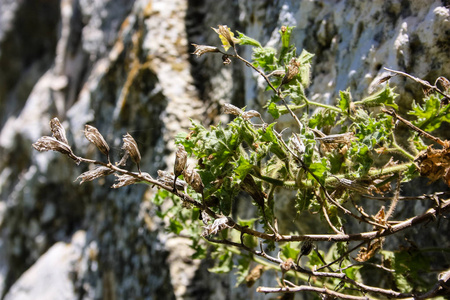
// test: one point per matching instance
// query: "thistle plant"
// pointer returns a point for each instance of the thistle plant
(336, 162)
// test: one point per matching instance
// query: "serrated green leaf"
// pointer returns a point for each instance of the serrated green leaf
(245, 40)
(265, 58)
(224, 263)
(345, 98)
(289, 252)
(430, 115)
(273, 110)
(385, 96)
(175, 226)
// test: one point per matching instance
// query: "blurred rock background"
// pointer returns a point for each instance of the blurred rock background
(125, 66)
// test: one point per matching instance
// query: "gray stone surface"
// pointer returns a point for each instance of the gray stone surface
(124, 66)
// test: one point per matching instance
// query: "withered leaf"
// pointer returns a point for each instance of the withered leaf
(202, 49)
(130, 145)
(254, 275)
(434, 163)
(95, 137)
(124, 180)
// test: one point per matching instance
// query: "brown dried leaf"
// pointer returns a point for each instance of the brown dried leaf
(434, 163)
(367, 253)
(168, 179)
(58, 131)
(95, 137)
(130, 145)
(94, 174)
(291, 72)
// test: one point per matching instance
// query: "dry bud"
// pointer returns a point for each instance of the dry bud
(58, 131)
(194, 180)
(95, 137)
(247, 115)
(291, 72)
(287, 265)
(180, 163)
(226, 60)
(230, 109)
(254, 275)
(47, 143)
(94, 174)
(130, 145)
(202, 49)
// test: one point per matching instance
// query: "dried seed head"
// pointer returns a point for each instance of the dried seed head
(291, 71)
(194, 180)
(124, 180)
(94, 174)
(58, 131)
(247, 115)
(202, 49)
(94, 136)
(231, 109)
(47, 143)
(130, 145)
(180, 161)
(205, 217)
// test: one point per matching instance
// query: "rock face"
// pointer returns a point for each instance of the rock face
(124, 66)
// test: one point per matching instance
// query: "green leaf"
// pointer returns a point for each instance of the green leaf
(175, 226)
(224, 264)
(242, 168)
(344, 101)
(273, 110)
(289, 252)
(430, 115)
(319, 170)
(245, 40)
(265, 58)
(385, 96)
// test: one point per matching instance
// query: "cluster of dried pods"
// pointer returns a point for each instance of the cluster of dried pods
(58, 142)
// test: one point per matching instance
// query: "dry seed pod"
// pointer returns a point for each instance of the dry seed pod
(202, 49)
(58, 131)
(180, 163)
(94, 174)
(231, 109)
(95, 137)
(130, 145)
(250, 114)
(194, 180)
(47, 143)
(124, 180)
(291, 72)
